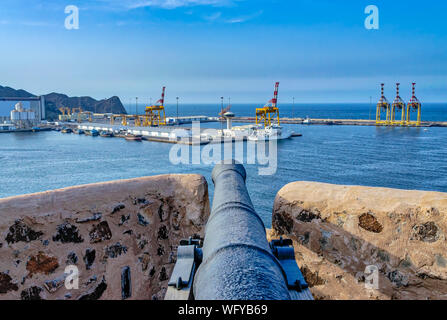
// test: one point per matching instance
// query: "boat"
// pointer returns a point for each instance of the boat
(92, 133)
(106, 134)
(131, 137)
(66, 130)
(79, 131)
(273, 132)
(307, 120)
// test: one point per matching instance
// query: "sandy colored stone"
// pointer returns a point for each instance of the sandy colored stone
(340, 230)
(101, 228)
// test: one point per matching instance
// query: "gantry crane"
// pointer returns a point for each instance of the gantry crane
(66, 113)
(78, 112)
(116, 116)
(265, 113)
(414, 105)
(398, 106)
(155, 115)
(383, 105)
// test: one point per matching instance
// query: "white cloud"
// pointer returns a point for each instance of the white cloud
(244, 18)
(165, 4)
(213, 16)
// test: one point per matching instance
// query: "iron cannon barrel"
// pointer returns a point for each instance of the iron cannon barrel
(238, 263)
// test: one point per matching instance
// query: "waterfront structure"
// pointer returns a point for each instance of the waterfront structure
(36, 110)
(398, 106)
(7, 127)
(23, 118)
(383, 105)
(414, 105)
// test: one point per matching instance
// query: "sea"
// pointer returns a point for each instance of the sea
(394, 157)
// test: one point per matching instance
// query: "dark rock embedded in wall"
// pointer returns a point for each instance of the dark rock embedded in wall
(53, 285)
(96, 293)
(398, 279)
(94, 217)
(163, 233)
(100, 232)
(19, 231)
(370, 223)
(115, 250)
(67, 233)
(124, 219)
(312, 278)
(72, 258)
(163, 276)
(282, 223)
(6, 283)
(41, 263)
(308, 216)
(142, 220)
(427, 232)
(89, 258)
(32, 293)
(117, 208)
(126, 284)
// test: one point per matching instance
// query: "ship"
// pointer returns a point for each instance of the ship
(106, 134)
(273, 132)
(92, 133)
(131, 137)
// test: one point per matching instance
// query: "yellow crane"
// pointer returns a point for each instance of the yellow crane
(265, 114)
(414, 104)
(383, 104)
(398, 106)
(66, 113)
(117, 116)
(155, 115)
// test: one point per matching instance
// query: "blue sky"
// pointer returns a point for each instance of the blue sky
(320, 50)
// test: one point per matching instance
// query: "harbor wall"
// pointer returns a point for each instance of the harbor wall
(122, 236)
(344, 235)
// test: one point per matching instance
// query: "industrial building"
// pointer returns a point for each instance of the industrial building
(24, 118)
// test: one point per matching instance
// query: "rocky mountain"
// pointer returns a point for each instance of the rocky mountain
(53, 101)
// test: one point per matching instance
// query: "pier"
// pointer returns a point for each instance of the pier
(339, 122)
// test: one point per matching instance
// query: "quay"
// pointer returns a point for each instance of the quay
(339, 122)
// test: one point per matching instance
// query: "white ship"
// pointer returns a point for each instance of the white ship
(273, 132)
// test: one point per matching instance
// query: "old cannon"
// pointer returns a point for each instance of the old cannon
(235, 260)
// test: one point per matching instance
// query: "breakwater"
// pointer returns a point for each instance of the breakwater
(339, 122)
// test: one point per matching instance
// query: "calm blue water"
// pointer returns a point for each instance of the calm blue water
(406, 158)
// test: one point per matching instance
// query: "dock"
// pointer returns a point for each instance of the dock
(338, 122)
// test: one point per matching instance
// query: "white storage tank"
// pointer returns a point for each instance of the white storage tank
(15, 115)
(31, 115)
(23, 115)
(19, 106)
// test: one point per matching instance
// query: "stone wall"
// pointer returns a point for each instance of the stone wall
(340, 230)
(122, 237)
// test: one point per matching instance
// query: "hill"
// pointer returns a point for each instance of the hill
(53, 101)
